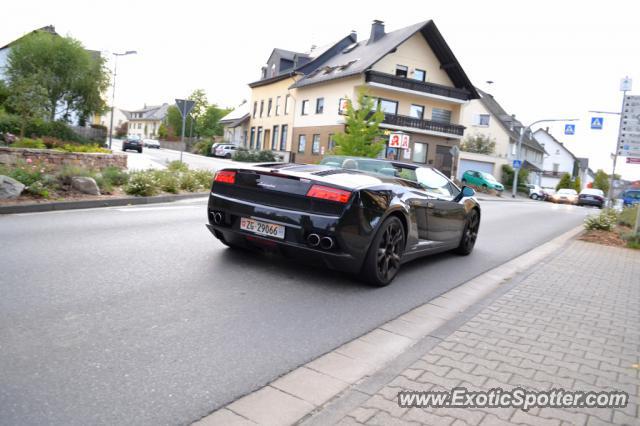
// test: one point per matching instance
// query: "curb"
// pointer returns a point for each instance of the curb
(90, 204)
(302, 394)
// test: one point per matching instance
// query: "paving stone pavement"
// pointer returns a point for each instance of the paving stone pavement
(573, 323)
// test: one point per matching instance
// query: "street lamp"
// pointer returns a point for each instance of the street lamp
(519, 148)
(113, 93)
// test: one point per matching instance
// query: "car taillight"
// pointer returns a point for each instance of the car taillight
(225, 176)
(328, 193)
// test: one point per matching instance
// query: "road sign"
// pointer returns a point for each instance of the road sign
(596, 123)
(185, 106)
(625, 84)
(569, 129)
(517, 164)
(633, 160)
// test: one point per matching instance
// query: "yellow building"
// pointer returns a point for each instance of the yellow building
(411, 73)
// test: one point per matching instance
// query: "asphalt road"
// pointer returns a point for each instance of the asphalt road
(152, 158)
(137, 315)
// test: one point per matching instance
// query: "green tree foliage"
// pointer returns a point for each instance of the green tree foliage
(174, 121)
(601, 181)
(209, 124)
(72, 78)
(507, 176)
(4, 95)
(362, 134)
(565, 182)
(27, 99)
(577, 184)
(479, 143)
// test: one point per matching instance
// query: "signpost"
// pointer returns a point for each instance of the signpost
(517, 164)
(569, 129)
(631, 160)
(185, 106)
(596, 123)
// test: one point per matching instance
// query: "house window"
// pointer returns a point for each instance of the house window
(441, 115)
(419, 75)
(255, 108)
(315, 145)
(259, 139)
(556, 167)
(513, 149)
(483, 119)
(331, 145)
(283, 137)
(278, 105)
(286, 105)
(305, 107)
(253, 137)
(269, 105)
(417, 111)
(261, 107)
(302, 143)
(401, 70)
(319, 105)
(274, 138)
(419, 154)
(388, 107)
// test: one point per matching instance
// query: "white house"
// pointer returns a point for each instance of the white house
(558, 161)
(236, 125)
(485, 116)
(145, 122)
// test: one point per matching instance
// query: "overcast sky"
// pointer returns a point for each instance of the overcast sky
(548, 59)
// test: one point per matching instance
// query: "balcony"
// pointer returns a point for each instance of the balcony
(405, 84)
(417, 123)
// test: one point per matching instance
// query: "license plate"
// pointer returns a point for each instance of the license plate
(262, 228)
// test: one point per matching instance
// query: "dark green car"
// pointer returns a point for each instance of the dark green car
(481, 180)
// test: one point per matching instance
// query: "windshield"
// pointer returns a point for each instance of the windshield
(635, 195)
(434, 182)
(488, 177)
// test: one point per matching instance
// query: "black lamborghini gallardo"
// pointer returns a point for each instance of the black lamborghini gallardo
(357, 215)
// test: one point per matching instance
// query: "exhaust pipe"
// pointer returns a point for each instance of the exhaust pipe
(313, 240)
(217, 218)
(326, 243)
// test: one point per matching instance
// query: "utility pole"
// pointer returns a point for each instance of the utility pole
(519, 148)
(113, 93)
(625, 86)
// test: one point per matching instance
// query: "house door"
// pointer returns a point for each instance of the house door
(444, 160)
(267, 139)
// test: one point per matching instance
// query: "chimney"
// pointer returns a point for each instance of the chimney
(377, 31)
(354, 35)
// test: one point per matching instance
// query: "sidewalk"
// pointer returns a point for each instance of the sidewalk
(572, 323)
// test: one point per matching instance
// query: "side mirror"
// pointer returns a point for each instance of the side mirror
(467, 191)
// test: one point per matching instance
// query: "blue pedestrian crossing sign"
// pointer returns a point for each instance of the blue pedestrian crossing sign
(517, 164)
(569, 129)
(596, 123)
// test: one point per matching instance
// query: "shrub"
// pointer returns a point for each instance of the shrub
(142, 184)
(177, 166)
(106, 187)
(10, 124)
(84, 148)
(168, 181)
(254, 156)
(204, 178)
(633, 241)
(203, 147)
(628, 216)
(189, 182)
(33, 178)
(605, 221)
(29, 143)
(67, 172)
(115, 176)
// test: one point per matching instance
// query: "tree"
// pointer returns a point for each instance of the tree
(174, 121)
(72, 78)
(162, 131)
(479, 143)
(199, 108)
(577, 184)
(27, 99)
(565, 182)
(601, 181)
(4, 95)
(209, 123)
(362, 133)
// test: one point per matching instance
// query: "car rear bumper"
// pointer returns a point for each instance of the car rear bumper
(298, 226)
(587, 202)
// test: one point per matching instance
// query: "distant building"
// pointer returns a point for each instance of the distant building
(236, 125)
(119, 118)
(145, 122)
(559, 161)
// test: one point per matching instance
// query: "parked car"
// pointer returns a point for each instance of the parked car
(225, 150)
(151, 143)
(132, 142)
(536, 192)
(362, 222)
(631, 197)
(481, 180)
(591, 197)
(565, 195)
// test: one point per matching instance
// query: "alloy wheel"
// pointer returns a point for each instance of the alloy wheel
(471, 231)
(389, 251)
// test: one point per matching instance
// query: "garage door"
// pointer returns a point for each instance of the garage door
(478, 166)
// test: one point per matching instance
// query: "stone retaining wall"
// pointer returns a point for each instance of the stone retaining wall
(57, 159)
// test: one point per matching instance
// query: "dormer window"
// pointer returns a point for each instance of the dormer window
(402, 71)
(273, 70)
(419, 75)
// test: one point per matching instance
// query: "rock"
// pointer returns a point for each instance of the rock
(10, 188)
(85, 184)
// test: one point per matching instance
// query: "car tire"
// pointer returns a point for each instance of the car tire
(228, 156)
(383, 259)
(534, 196)
(140, 151)
(469, 234)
